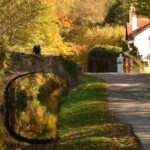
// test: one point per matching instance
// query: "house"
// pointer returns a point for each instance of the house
(138, 34)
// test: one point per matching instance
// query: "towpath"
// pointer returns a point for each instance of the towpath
(129, 97)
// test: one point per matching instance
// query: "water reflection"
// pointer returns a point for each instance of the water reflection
(34, 105)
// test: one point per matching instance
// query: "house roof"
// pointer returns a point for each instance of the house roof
(142, 24)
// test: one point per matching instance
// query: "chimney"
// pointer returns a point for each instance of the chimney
(134, 23)
(133, 18)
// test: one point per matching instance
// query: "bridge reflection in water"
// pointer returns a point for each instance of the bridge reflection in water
(32, 107)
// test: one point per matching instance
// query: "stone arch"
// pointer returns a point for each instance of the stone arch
(23, 64)
(99, 61)
(7, 105)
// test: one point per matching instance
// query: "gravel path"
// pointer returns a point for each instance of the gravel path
(129, 97)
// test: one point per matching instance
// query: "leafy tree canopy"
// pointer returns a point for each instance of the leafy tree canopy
(92, 10)
(24, 23)
(118, 10)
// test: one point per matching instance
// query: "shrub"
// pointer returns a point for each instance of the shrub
(105, 51)
(99, 50)
(106, 35)
(124, 46)
(69, 65)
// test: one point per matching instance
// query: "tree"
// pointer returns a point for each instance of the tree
(92, 10)
(29, 23)
(142, 7)
(118, 10)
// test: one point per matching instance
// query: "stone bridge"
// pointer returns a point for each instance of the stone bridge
(30, 63)
(22, 64)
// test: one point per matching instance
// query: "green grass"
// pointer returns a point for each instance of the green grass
(85, 122)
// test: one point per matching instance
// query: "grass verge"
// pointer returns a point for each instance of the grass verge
(85, 122)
